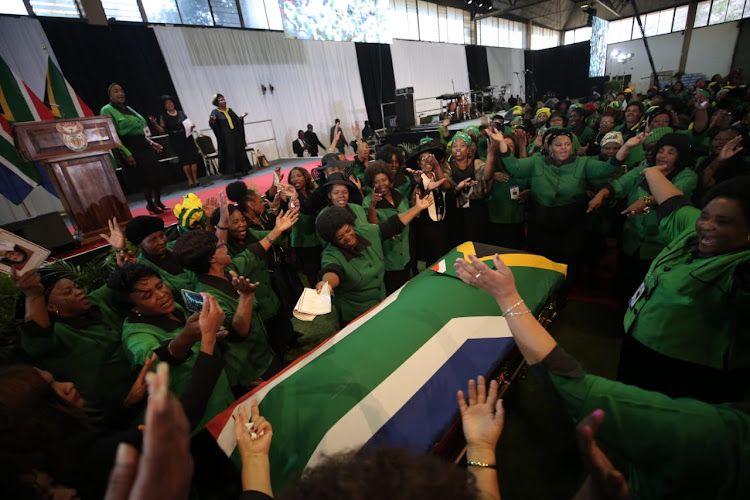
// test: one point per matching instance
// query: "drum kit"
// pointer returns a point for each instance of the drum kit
(463, 106)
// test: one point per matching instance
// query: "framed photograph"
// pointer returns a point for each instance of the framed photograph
(21, 253)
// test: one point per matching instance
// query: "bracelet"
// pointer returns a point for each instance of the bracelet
(169, 350)
(647, 200)
(519, 313)
(223, 228)
(270, 239)
(482, 464)
(513, 307)
(121, 250)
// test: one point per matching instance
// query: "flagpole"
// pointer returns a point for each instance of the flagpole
(25, 209)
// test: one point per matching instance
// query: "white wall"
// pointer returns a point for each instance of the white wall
(711, 50)
(503, 66)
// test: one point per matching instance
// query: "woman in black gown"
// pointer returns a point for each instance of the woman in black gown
(171, 122)
(229, 130)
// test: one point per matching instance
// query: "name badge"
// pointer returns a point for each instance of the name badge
(515, 191)
(637, 295)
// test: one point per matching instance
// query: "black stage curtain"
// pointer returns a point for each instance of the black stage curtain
(479, 71)
(378, 83)
(91, 57)
(563, 70)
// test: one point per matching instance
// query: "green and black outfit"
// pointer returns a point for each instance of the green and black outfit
(664, 440)
(147, 172)
(686, 331)
(360, 269)
(557, 218)
(395, 249)
(171, 272)
(507, 217)
(86, 351)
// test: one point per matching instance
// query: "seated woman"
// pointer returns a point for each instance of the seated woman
(53, 432)
(77, 337)
(231, 227)
(156, 324)
(246, 347)
(556, 223)
(641, 241)
(685, 329)
(382, 204)
(353, 263)
(663, 439)
(430, 227)
(147, 232)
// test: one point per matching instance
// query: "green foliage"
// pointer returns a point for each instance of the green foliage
(408, 147)
(89, 276)
(613, 86)
(8, 299)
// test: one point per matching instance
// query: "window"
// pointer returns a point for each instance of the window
(273, 12)
(55, 8)
(680, 18)
(746, 13)
(570, 37)
(665, 22)
(13, 7)
(543, 38)
(195, 12)
(734, 10)
(651, 23)
(701, 14)
(455, 25)
(225, 13)
(718, 12)
(429, 30)
(122, 10)
(254, 14)
(161, 11)
(404, 20)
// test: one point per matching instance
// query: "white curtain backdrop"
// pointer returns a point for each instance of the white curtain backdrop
(506, 67)
(431, 68)
(21, 41)
(314, 82)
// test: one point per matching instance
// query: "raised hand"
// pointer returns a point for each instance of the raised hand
(482, 417)
(637, 140)
(116, 237)
(355, 129)
(138, 389)
(29, 283)
(284, 221)
(375, 198)
(495, 135)
(254, 435)
(356, 182)
(731, 148)
(606, 481)
(210, 205)
(243, 285)
(210, 318)
(426, 202)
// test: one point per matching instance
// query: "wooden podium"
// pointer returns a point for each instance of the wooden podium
(76, 155)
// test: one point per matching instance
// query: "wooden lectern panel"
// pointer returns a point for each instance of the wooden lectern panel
(76, 154)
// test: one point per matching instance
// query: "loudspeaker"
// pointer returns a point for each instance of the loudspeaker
(48, 230)
(405, 111)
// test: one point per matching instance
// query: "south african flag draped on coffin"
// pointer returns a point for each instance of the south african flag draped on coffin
(390, 377)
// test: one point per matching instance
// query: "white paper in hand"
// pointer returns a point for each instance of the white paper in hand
(188, 127)
(314, 303)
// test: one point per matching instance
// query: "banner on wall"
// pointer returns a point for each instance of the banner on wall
(60, 96)
(18, 104)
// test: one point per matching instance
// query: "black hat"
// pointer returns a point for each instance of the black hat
(434, 146)
(681, 142)
(331, 220)
(141, 227)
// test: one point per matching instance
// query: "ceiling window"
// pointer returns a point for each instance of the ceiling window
(122, 10)
(701, 14)
(225, 13)
(161, 11)
(55, 8)
(13, 7)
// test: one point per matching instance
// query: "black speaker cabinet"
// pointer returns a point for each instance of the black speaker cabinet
(48, 230)
(405, 111)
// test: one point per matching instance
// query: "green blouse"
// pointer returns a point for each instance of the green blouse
(125, 123)
(396, 249)
(554, 186)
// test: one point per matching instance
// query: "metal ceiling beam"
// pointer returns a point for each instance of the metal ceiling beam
(608, 7)
(518, 6)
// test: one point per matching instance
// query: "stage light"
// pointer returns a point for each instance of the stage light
(490, 7)
(469, 1)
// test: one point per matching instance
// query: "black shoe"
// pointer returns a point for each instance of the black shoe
(162, 206)
(153, 210)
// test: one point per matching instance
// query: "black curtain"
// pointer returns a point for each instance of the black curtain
(563, 70)
(91, 57)
(378, 83)
(479, 71)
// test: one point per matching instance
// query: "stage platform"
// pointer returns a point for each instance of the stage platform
(259, 179)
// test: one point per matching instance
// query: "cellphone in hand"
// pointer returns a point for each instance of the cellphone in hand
(193, 300)
(515, 191)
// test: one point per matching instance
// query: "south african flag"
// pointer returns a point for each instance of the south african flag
(390, 377)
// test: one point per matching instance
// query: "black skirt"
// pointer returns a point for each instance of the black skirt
(147, 172)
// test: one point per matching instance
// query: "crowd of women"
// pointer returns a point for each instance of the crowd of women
(557, 179)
